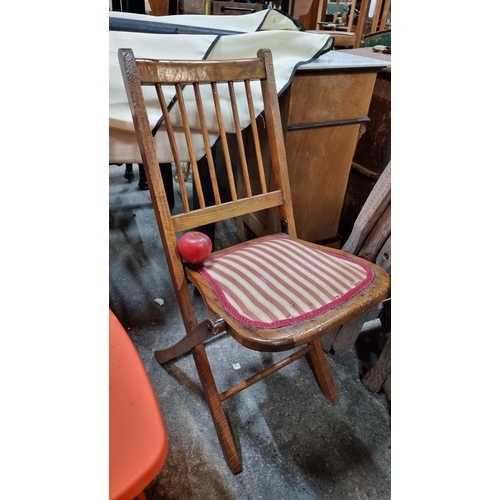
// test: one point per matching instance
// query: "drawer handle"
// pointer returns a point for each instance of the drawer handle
(333, 123)
(223, 8)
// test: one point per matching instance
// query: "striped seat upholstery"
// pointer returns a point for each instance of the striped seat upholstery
(280, 281)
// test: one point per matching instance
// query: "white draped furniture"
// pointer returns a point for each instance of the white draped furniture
(324, 98)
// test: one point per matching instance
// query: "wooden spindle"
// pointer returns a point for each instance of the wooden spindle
(173, 147)
(206, 141)
(376, 16)
(385, 14)
(336, 12)
(189, 143)
(224, 144)
(239, 140)
(255, 133)
(351, 17)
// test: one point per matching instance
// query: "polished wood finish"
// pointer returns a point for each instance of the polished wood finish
(252, 189)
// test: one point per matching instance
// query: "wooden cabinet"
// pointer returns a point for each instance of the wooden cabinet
(322, 111)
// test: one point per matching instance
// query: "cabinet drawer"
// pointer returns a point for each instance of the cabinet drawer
(329, 97)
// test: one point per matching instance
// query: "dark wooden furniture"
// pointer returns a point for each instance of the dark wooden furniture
(373, 150)
(135, 6)
(276, 261)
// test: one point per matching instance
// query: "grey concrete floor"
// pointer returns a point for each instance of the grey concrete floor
(294, 444)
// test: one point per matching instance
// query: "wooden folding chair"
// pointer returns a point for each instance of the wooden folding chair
(378, 22)
(273, 293)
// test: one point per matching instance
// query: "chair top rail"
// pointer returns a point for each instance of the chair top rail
(156, 71)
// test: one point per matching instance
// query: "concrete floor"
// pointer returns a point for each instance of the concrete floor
(293, 442)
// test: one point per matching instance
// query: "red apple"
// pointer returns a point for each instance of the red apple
(195, 247)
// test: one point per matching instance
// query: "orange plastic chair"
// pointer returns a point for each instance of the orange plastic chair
(138, 440)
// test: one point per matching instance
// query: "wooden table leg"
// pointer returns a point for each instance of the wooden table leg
(129, 171)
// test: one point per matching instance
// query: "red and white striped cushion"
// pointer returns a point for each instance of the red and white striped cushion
(280, 281)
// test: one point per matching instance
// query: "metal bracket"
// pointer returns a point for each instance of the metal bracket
(200, 333)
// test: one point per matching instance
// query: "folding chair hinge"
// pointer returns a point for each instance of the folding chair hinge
(200, 333)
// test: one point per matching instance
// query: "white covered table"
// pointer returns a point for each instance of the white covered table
(324, 99)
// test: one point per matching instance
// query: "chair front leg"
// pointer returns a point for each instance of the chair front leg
(224, 433)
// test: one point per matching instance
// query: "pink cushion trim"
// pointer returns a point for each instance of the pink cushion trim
(279, 281)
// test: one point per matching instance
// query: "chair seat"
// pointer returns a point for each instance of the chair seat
(280, 281)
(268, 286)
(137, 438)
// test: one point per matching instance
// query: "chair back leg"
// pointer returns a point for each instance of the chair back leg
(322, 372)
